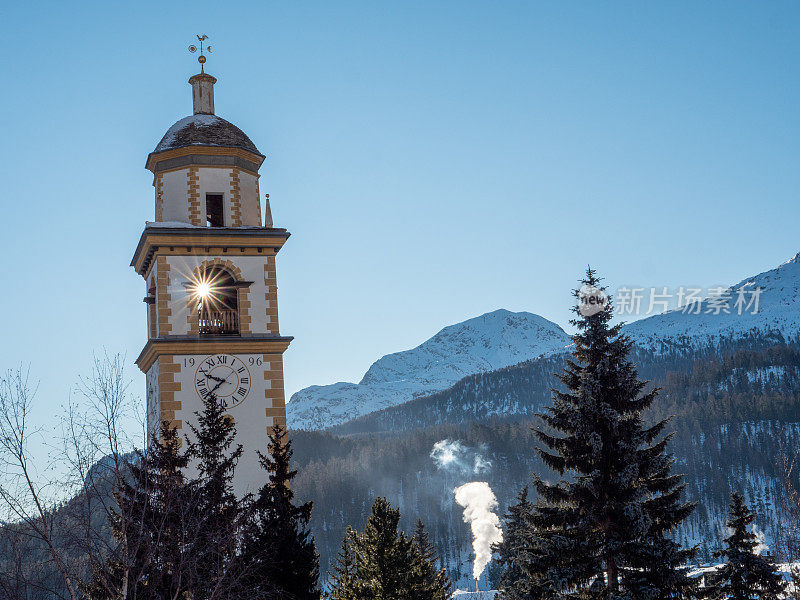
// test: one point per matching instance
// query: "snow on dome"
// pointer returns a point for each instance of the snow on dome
(205, 130)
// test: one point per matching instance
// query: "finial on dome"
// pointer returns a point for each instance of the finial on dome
(202, 83)
(202, 58)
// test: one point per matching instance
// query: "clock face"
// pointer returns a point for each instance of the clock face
(225, 376)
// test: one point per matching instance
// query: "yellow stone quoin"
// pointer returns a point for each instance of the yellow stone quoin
(209, 267)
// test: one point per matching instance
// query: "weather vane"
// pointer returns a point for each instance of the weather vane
(202, 58)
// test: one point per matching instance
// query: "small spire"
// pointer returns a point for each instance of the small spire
(202, 83)
(268, 214)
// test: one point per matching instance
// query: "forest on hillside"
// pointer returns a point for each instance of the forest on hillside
(734, 412)
(690, 379)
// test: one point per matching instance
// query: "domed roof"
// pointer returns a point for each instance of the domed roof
(205, 130)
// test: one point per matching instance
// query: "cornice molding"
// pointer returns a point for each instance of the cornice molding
(254, 344)
(154, 158)
(154, 237)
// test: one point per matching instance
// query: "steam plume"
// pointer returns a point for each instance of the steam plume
(452, 455)
(479, 501)
(761, 545)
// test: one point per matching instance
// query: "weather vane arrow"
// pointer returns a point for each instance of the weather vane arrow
(202, 58)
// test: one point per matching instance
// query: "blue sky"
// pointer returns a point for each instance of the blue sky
(433, 160)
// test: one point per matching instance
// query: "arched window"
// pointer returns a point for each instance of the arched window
(217, 297)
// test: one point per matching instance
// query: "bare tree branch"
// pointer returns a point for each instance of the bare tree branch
(22, 495)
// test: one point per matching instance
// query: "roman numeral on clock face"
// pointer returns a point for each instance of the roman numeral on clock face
(225, 377)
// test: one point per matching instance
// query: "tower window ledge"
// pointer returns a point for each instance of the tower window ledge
(176, 224)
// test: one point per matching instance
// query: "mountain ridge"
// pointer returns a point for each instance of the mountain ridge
(461, 350)
(778, 311)
(487, 342)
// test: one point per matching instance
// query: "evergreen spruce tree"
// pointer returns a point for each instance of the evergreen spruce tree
(608, 520)
(278, 549)
(384, 568)
(151, 526)
(430, 583)
(380, 563)
(343, 573)
(517, 582)
(527, 555)
(746, 574)
(793, 589)
(218, 518)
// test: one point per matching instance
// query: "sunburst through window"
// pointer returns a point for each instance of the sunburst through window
(216, 295)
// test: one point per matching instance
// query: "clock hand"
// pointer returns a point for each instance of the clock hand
(209, 375)
(221, 381)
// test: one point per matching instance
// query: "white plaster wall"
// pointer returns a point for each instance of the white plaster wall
(175, 194)
(147, 310)
(211, 180)
(181, 270)
(215, 180)
(154, 276)
(250, 416)
(248, 186)
(153, 400)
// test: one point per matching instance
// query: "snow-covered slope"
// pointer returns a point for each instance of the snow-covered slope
(502, 338)
(465, 595)
(485, 343)
(778, 311)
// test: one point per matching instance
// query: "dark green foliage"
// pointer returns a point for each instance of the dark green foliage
(278, 550)
(746, 574)
(730, 403)
(794, 589)
(520, 576)
(511, 552)
(152, 526)
(216, 572)
(735, 407)
(344, 474)
(343, 572)
(382, 563)
(384, 566)
(660, 570)
(601, 530)
(179, 539)
(429, 583)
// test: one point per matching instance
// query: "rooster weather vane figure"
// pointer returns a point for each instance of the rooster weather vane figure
(202, 58)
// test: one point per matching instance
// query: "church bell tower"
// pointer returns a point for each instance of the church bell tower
(208, 263)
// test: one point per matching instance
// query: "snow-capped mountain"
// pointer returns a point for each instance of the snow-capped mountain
(485, 343)
(768, 304)
(777, 310)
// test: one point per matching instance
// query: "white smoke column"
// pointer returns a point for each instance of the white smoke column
(761, 545)
(447, 453)
(453, 456)
(479, 501)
